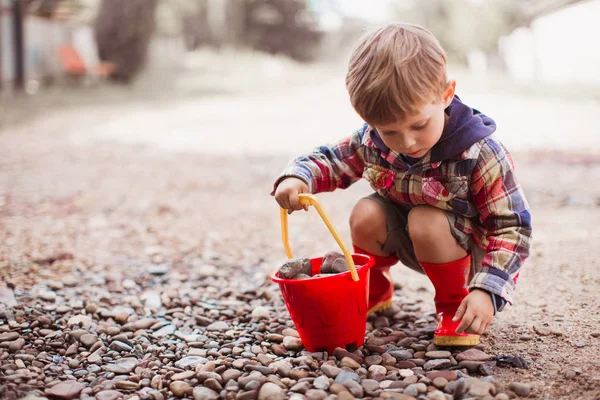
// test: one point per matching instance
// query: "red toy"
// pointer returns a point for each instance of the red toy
(328, 311)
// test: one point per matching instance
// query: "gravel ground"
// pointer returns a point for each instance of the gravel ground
(128, 271)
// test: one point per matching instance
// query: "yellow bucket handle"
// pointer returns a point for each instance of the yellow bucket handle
(310, 200)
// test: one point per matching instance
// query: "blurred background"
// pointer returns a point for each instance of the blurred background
(524, 62)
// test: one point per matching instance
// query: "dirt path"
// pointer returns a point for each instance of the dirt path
(105, 187)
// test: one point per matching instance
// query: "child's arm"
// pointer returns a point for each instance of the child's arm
(504, 212)
(328, 168)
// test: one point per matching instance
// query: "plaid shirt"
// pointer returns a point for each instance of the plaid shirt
(479, 186)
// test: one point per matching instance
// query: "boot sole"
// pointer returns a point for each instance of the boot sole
(383, 305)
(471, 340)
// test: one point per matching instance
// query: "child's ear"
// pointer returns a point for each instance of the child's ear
(449, 92)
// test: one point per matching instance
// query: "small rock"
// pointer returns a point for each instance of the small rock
(300, 387)
(438, 354)
(109, 395)
(354, 388)
(270, 391)
(322, 382)
(330, 370)
(315, 394)
(66, 390)
(88, 340)
(543, 330)
(123, 366)
(143, 323)
(436, 395)
(480, 389)
(473, 355)
(294, 267)
(401, 355)
(165, 331)
(292, 343)
(347, 375)
(16, 345)
(84, 321)
(183, 375)
(525, 336)
(349, 363)
(179, 388)
(8, 336)
(260, 313)
(521, 389)
(570, 374)
(218, 326)
(373, 360)
(190, 362)
(437, 364)
(120, 346)
(411, 390)
(440, 382)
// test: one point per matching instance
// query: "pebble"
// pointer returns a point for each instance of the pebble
(525, 337)
(123, 366)
(438, 354)
(218, 326)
(521, 389)
(203, 393)
(354, 388)
(295, 266)
(373, 360)
(65, 390)
(109, 395)
(473, 355)
(440, 382)
(401, 355)
(321, 382)
(292, 343)
(179, 388)
(8, 336)
(543, 330)
(330, 370)
(143, 323)
(190, 362)
(437, 364)
(436, 395)
(183, 375)
(316, 394)
(270, 391)
(347, 375)
(88, 340)
(349, 363)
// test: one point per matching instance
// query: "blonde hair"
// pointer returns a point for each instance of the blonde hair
(394, 71)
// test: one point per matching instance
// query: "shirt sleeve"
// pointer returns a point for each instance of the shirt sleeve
(504, 213)
(330, 167)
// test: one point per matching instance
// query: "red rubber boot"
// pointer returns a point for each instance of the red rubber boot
(381, 287)
(450, 281)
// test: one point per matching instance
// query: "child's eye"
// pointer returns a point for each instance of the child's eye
(420, 127)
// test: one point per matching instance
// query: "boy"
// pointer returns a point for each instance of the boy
(446, 199)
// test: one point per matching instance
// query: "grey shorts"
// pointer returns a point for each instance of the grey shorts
(398, 241)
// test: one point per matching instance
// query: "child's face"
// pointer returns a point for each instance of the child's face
(416, 134)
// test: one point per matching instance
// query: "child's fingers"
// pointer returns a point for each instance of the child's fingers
(465, 323)
(295, 202)
(461, 310)
(475, 326)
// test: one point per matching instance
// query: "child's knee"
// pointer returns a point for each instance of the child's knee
(367, 222)
(426, 223)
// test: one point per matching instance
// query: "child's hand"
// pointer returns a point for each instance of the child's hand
(287, 192)
(476, 311)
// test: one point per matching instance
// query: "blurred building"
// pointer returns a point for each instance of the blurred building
(559, 47)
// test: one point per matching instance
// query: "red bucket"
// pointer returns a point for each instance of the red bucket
(329, 311)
